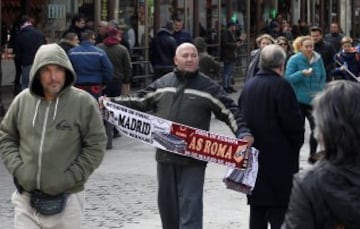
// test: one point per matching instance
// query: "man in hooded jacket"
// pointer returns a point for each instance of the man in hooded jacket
(51, 139)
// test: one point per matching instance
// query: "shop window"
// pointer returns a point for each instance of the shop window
(136, 19)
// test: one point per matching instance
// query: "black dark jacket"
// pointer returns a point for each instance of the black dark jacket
(228, 46)
(162, 50)
(74, 29)
(189, 99)
(271, 111)
(27, 43)
(327, 53)
(325, 196)
(351, 60)
(66, 45)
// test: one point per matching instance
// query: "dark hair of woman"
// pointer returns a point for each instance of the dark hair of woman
(337, 118)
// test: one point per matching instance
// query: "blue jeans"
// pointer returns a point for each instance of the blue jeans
(180, 195)
(227, 73)
(25, 76)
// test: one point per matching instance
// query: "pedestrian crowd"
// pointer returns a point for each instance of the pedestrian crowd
(294, 74)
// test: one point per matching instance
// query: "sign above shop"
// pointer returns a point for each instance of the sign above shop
(56, 11)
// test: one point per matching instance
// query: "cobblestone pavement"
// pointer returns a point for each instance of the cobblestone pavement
(122, 191)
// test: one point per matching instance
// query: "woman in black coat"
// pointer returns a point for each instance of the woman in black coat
(271, 111)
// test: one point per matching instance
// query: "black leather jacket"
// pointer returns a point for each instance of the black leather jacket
(190, 99)
(162, 50)
(325, 197)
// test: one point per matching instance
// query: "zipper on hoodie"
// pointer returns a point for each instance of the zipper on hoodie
(42, 146)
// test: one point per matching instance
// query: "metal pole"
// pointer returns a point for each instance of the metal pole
(97, 13)
(2, 110)
(248, 24)
(219, 28)
(146, 38)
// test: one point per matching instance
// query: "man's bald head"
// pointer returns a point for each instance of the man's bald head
(184, 45)
(186, 58)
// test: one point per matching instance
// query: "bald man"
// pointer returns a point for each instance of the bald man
(185, 96)
(101, 31)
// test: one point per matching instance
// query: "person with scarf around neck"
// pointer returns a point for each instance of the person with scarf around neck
(347, 61)
(189, 97)
(121, 62)
(120, 59)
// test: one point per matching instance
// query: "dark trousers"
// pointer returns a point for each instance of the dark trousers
(260, 216)
(180, 195)
(113, 88)
(306, 111)
(18, 71)
(227, 73)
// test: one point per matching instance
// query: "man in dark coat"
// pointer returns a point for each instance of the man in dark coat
(69, 41)
(229, 47)
(324, 48)
(207, 63)
(271, 111)
(27, 43)
(180, 35)
(78, 25)
(335, 36)
(162, 51)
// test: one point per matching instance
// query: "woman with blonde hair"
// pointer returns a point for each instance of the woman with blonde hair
(296, 43)
(306, 73)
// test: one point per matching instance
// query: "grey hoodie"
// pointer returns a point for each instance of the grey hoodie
(52, 146)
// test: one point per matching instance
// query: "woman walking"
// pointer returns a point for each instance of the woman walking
(306, 73)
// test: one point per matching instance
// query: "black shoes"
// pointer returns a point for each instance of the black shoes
(232, 89)
(116, 134)
(229, 89)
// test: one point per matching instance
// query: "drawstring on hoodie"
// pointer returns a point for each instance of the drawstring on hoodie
(55, 109)
(36, 112)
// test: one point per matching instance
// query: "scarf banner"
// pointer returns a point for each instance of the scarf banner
(177, 138)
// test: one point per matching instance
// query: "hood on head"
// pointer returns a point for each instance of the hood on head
(50, 54)
(113, 37)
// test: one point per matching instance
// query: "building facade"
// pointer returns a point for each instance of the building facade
(206, 18)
